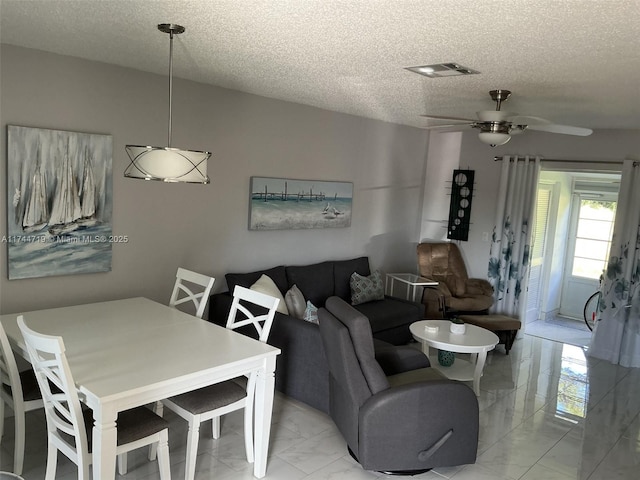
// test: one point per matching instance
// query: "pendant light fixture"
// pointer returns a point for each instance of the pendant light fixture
(168, 164)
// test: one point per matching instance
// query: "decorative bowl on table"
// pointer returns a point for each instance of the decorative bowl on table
(446, 358)
(457, 326)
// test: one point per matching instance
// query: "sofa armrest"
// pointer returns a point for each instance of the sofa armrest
(219, 306)
(302, 370)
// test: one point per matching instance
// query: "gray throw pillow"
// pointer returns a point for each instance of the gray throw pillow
(366, 289)
(296, 304)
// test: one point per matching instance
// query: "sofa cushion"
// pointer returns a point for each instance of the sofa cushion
(342, 271)
(268, 287)
(277, 274)
(314, 281)
(366, 289)
(295, 301)
(390, 313)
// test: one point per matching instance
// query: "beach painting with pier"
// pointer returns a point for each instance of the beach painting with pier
(288, 204)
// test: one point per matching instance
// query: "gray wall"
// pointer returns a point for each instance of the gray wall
(204, 228)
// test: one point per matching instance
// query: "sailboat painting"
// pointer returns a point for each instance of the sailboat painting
(59, 187)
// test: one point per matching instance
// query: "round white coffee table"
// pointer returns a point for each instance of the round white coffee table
(476, 340)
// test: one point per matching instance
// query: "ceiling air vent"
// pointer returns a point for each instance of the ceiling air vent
(442, 70)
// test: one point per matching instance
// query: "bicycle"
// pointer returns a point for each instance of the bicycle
(590, 312)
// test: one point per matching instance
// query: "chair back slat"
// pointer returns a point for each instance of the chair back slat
(9, 373)
(62, 409)
(183, 293)
(244, 297)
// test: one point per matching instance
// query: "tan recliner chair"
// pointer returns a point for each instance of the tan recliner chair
(456, 292)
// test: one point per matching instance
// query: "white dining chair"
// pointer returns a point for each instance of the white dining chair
(209, 403)
(183, 290)
(69, 426)
(19, 391)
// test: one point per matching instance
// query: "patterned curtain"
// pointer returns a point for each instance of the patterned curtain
(511, 241)
(616, 336)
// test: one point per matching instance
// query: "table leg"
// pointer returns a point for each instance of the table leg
(105, 437)
(265, 385)
(480, 361)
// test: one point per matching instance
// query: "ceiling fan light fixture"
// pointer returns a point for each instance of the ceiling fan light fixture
(497, 126)
(494, 138)
(168, 164)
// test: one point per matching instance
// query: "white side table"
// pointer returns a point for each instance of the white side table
(476, 340)
(411, 280)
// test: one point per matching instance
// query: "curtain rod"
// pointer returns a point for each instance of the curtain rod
(543, 159)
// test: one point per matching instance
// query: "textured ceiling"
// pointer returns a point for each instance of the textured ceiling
(574, 62)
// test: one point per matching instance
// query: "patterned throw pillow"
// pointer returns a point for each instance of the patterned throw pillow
(366, 289)
(296, 304)
(311, 313)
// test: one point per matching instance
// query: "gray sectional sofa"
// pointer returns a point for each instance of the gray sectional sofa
(302, 371)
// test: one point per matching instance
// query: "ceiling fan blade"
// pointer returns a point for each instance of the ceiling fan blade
(564, 129)
(527, 120)
(454, 127)
(543, 125)
(454, 119)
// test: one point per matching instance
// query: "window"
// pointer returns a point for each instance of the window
(593, 237)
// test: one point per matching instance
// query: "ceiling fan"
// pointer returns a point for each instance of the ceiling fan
(497, 126)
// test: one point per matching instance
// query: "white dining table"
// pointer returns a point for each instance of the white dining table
(132, 352)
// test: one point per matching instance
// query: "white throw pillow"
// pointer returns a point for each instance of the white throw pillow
(296, 304)
(268, 287)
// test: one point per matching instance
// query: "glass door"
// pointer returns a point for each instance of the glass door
(590, 234)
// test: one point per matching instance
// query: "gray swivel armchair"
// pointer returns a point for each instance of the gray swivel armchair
(403, 423)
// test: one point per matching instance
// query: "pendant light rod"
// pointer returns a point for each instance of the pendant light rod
(168, 164)
(172, 30)
(170, 86)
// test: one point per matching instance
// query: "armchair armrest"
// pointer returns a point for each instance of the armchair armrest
(435, 300)
(397, 359)
(479, 286)
(439, 416)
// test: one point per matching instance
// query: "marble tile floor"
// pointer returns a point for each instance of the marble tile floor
(547, 412)
(560, 329)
